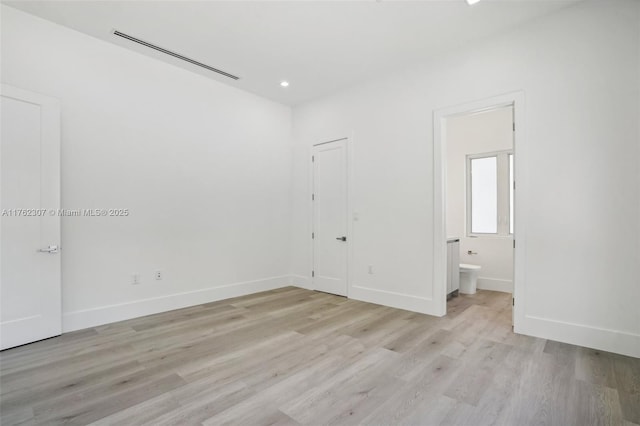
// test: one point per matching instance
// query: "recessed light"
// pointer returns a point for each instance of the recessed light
(471, 2)
(284, 83)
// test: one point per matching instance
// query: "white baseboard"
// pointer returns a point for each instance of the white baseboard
(408, 302)
(379, 297)
(495, 284)
(301, 281)
(86, 318)
(619, 342)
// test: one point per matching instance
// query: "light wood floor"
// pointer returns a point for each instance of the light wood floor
(293, 356)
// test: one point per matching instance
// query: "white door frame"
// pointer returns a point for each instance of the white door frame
(517, 100)
(350, 214)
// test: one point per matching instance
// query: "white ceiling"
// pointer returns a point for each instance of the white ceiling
(318, 46)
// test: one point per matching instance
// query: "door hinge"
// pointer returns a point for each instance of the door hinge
(514, 127)
(313, 197)
(514, 243)
(513, 302)
(313, 235)
(313, 158)
(313, 274)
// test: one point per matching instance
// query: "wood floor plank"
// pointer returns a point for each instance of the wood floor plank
(476, 377)
(74, 381)
(412, 362)
(430, 413)
(630, 405)
(22, 416)
(595, 367)
(318, 404)
(82, 411)
(425, 388)
(244, 359)
(57, 370)
(206, 405)
(143, 413)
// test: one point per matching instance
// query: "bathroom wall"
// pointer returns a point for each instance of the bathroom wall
(474, 134)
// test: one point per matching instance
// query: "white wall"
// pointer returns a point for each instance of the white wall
(475, 134)
(579, 70)
(204, 169)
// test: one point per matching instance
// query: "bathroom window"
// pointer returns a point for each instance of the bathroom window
(490, 194)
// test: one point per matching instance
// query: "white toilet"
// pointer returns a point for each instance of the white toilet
(468, 278)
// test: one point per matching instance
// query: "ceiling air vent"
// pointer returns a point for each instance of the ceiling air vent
(175, 55)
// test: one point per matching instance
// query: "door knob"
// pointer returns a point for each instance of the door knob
(49, 249)
(341, 238)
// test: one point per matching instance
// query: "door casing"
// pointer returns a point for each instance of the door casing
(517, 101)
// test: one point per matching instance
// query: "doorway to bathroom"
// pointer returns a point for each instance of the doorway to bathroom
(478, 158)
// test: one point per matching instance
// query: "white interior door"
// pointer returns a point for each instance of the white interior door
(330, 217)
(30, 281)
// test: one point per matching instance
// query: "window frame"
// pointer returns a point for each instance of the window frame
(503, 177)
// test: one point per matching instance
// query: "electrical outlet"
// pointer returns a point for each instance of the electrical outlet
(371, 269)
(158, 275)
(135, 279)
